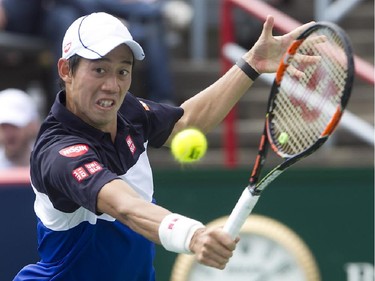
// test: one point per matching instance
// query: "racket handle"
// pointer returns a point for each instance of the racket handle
(241, 211)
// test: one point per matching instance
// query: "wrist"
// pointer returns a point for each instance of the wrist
(176, 232)
(251, 72)
(194, 238)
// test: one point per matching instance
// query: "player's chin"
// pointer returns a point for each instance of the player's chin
(102, 119)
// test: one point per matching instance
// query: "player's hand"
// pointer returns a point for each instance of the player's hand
(266, 53)
(213, 247)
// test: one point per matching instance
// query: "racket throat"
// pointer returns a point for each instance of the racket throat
(254, 191)
(258, 188)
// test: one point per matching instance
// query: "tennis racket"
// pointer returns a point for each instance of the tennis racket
(308, 96)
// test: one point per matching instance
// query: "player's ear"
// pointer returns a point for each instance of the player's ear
(64, 70)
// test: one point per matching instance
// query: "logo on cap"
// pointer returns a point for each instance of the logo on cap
(67, 47)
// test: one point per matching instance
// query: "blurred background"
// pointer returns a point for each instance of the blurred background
(327, 199)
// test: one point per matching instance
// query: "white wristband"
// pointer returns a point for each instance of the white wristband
(176, 231)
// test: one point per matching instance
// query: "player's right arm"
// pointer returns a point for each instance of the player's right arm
(212, 247)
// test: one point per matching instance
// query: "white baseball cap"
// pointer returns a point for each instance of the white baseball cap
(95, 35)
(17, 108)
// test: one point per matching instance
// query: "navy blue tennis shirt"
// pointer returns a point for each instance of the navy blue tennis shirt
(70, 163)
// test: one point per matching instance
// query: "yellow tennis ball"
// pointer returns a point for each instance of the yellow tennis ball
(283, 138)
(189, 145)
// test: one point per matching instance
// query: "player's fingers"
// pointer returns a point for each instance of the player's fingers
(318, 39)
(326, 48)
(213, 263)
(219, 251)
(268, 27)
(294, 72)
(215, 258)
(216, 248)
(306, 59)
(222, 252)
(296, 32)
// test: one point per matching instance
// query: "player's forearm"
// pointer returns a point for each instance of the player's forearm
(209, 107)
(157, 224)
(120, 201)
(144, 218)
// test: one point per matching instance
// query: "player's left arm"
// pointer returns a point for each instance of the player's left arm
(209, 107)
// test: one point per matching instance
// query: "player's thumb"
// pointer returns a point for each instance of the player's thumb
(268, 27)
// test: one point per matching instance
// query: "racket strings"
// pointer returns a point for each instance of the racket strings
(304, 106)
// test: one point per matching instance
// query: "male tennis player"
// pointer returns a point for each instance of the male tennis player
(89, 168)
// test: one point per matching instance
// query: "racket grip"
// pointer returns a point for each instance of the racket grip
(241, 211)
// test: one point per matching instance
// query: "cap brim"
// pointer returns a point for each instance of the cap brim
(136, 49)
(101, 49)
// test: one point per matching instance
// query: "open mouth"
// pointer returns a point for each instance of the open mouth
(105, 103)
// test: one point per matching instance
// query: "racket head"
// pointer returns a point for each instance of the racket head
(304, 110)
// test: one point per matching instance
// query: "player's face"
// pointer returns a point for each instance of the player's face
(98, 87)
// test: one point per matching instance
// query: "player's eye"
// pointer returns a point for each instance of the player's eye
(123, 72)
(99, 70)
